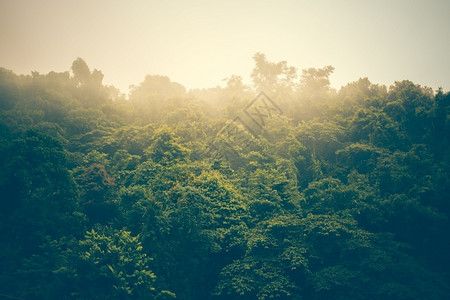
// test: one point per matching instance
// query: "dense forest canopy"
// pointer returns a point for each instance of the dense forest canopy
(287, 189)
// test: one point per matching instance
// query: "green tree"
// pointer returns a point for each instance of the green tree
(90, 89)
(81, 71)
(105, 264)
(38, 201)
(97, 195)
(315, 83)
(272, 78)
(165, 148)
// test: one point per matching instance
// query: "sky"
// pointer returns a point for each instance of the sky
(200, 43)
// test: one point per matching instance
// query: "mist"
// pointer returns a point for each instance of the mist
(205, 150)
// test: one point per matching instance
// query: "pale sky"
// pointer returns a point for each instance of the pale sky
(199, 43)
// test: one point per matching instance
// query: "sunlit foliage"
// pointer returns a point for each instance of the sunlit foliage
(186, 194)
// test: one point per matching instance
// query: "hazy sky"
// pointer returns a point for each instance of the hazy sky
(199, 43)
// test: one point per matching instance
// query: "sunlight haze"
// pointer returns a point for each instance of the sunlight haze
(219, 150)
(200, 43)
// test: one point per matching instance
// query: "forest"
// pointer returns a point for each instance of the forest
(283, 189)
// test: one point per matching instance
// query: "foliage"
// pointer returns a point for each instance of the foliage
(161, 196)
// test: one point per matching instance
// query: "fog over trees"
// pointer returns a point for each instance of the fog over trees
(286, 189)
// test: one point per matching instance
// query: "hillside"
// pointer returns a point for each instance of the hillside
(288, 189)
